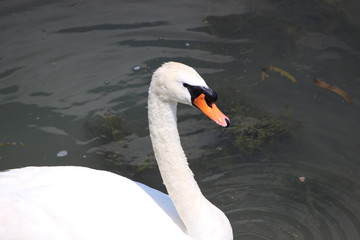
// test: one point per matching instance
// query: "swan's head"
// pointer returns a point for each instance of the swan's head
(177, 82)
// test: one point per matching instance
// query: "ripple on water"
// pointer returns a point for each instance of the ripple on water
(271, 202)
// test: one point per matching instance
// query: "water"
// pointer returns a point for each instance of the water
(74, 78)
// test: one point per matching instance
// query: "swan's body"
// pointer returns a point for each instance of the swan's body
(60, 203)
(46, 203)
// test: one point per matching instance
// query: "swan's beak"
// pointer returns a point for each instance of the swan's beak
(211, 111)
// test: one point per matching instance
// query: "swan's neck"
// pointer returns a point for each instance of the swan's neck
(173, 165)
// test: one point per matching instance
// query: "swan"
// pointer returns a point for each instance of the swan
(69, 202)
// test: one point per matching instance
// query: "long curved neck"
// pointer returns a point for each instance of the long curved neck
(176, 174)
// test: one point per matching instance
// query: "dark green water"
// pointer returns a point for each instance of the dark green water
(66, 64)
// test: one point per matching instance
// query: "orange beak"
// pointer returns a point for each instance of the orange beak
(212, 111)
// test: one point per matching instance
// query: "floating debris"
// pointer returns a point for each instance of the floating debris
(11, 144)
(302, 179)
(263, 74)
(333, 88)
(62, 153)
(8, 144)
(282, 72)
(136, 68)
(187, 44)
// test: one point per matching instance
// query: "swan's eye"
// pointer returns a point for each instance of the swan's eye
(196, 91)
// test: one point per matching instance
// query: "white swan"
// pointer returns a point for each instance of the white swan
(46, 203)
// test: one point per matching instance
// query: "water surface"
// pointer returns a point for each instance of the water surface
(66, 65)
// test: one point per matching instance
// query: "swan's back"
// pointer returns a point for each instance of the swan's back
(82, 203)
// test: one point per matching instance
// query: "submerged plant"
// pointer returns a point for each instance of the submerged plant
(263, 131)
(109, 127)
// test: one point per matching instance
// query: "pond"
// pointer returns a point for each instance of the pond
(74, 77)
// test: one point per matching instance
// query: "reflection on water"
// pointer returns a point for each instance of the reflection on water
(64, 66)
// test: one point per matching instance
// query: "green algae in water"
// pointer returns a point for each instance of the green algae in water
(108, 127)
(263, 131)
